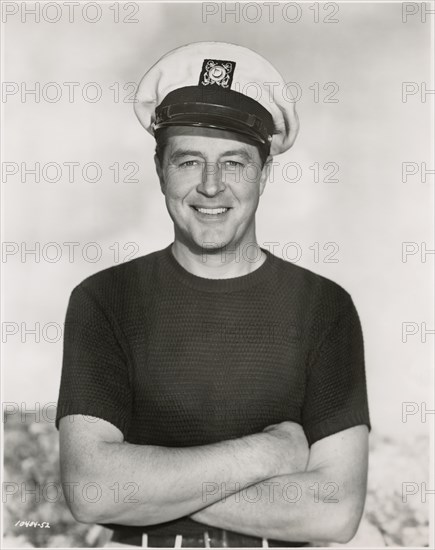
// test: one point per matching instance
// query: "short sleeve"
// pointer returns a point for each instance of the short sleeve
(95, 376)
(336, 392)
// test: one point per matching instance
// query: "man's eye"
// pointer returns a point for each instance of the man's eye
(188, 163)
(233, 163)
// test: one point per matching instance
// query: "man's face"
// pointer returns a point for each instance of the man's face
(212, 182)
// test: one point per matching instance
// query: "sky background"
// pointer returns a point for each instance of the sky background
(367, 55)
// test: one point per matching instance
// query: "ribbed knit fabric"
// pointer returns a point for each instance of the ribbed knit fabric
(177, 360)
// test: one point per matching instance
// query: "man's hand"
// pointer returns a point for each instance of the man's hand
(290, 445)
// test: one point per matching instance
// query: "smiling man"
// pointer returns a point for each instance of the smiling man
(212, 180)
(223, 387)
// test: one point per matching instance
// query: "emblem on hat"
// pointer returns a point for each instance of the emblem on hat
(216, 71)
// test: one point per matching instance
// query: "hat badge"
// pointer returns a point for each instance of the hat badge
(217, 72)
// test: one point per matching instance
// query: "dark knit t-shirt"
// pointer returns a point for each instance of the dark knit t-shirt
(178, 360)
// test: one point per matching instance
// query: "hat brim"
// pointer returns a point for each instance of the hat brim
(209, 121)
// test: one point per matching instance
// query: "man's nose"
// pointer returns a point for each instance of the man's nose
(212, 180)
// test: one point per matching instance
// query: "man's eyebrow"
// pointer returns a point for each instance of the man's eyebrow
(235, 152)
(178, 153)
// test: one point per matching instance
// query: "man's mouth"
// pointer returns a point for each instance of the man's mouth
(211, 211)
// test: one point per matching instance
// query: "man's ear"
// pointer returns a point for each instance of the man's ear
(159, 171)
(265, 172)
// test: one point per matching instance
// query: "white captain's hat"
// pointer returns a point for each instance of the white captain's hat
(218, 85)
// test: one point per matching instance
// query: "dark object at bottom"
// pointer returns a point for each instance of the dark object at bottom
(212, 538)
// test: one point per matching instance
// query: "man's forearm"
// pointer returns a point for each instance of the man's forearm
(300, 507)
(157, 484)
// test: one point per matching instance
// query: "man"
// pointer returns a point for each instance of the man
(224, 387)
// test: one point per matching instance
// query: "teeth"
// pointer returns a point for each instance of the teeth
(212, 210)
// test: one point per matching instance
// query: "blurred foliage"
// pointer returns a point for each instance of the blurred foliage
(401, 517)
(32, 462)
(31, 471)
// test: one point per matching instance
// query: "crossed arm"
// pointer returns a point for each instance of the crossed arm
(323, 503)
(266, 484)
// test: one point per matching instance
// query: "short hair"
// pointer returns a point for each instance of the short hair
(161, 136)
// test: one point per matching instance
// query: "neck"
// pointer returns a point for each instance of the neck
(222, 263)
